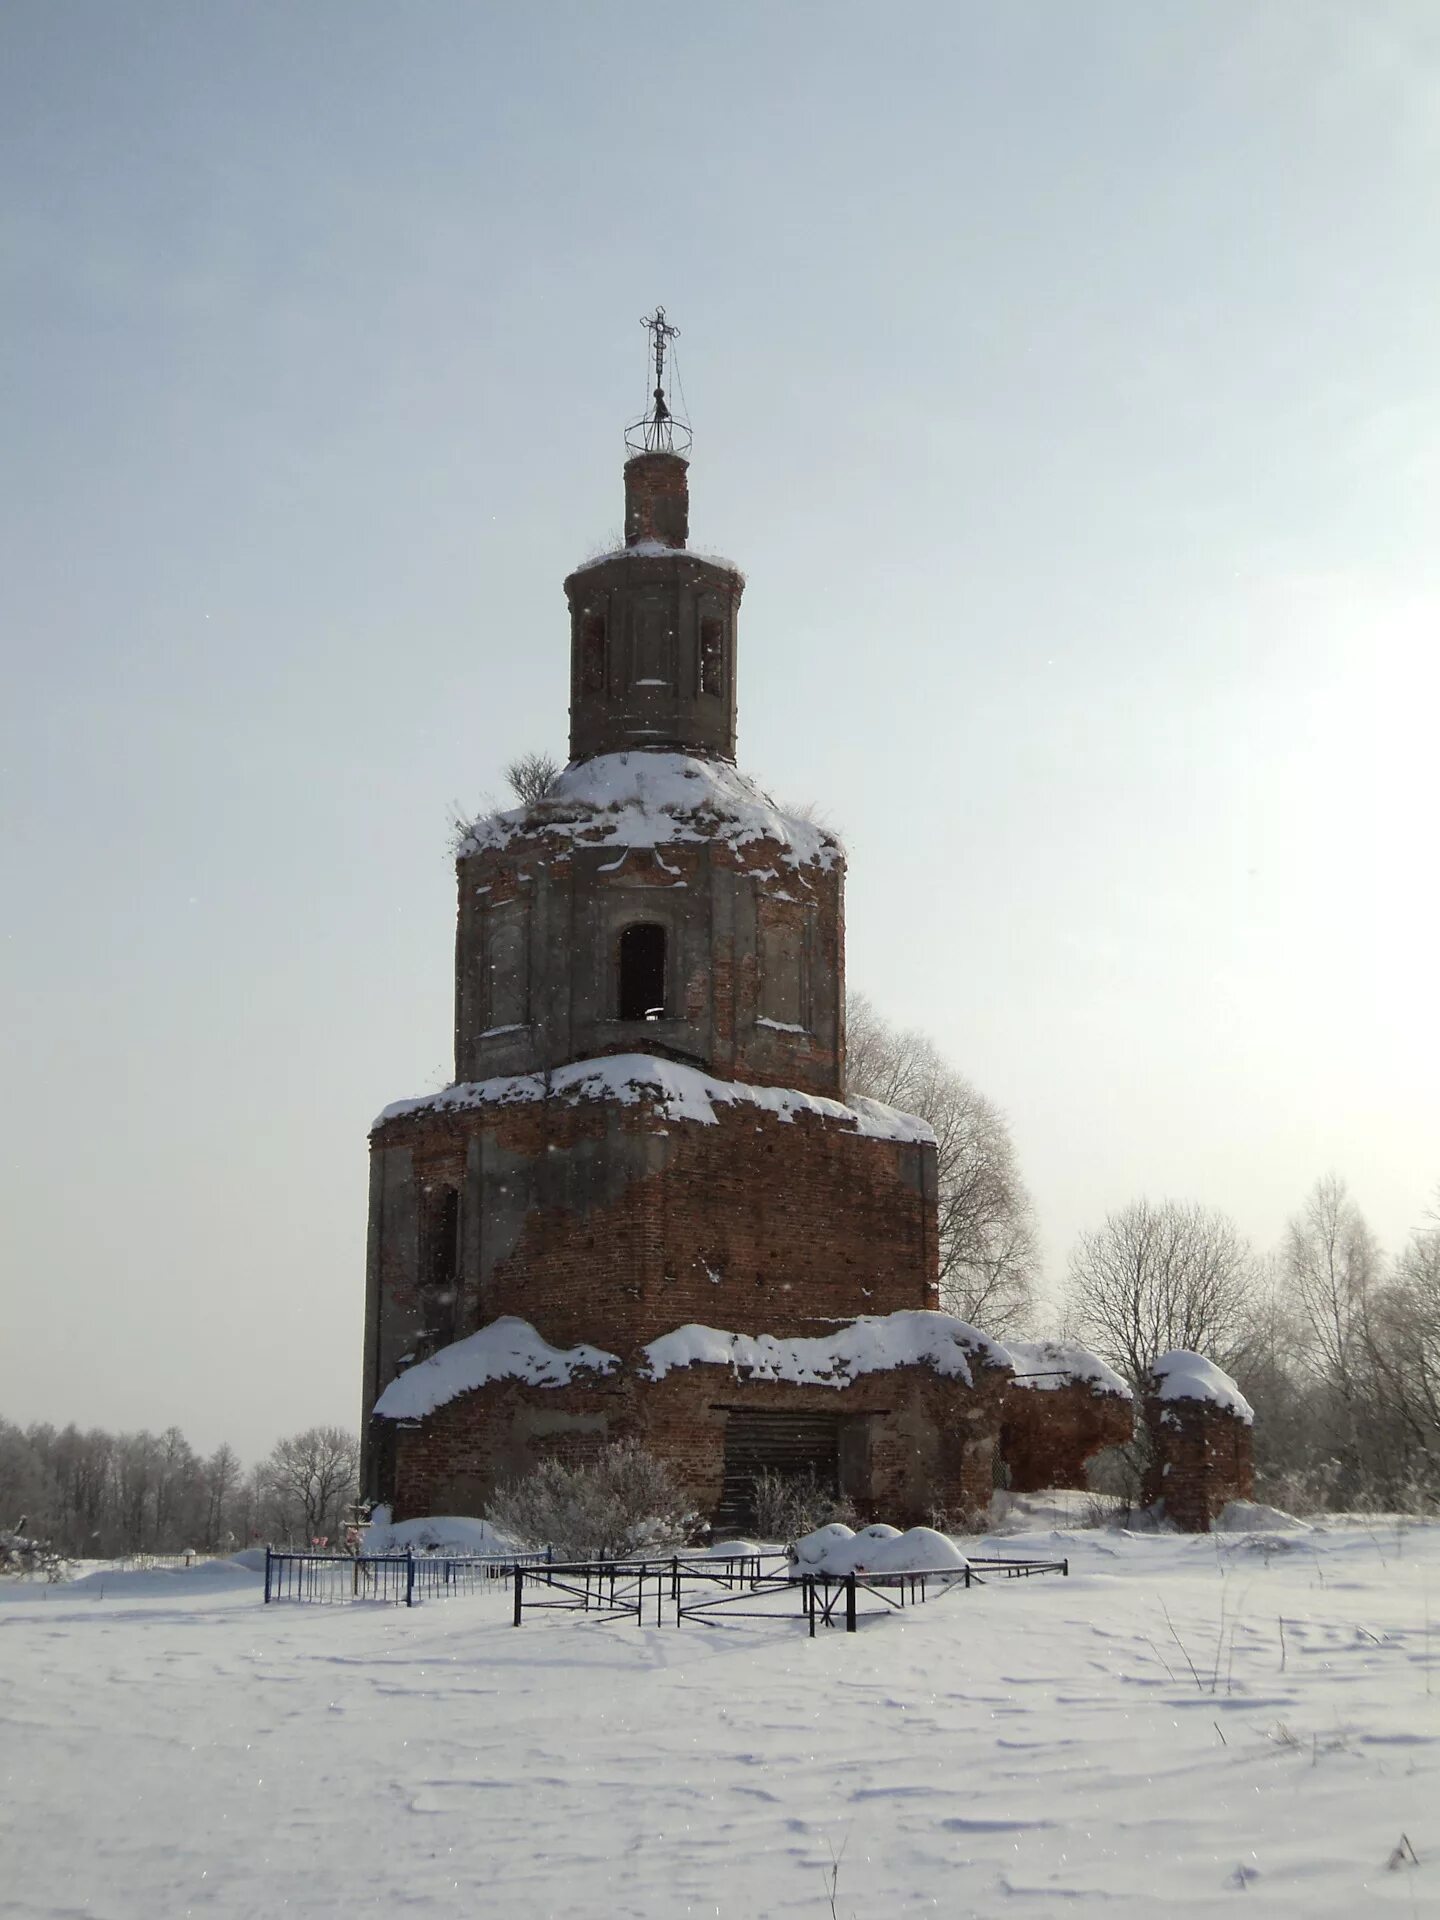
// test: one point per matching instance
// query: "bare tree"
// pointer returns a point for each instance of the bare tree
(989, 1249)
(309, 1480)
(531, 776)
(1331, 1263)
(1159, 1276)
(222, 1476)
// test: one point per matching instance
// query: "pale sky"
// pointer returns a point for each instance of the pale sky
(1065, 380)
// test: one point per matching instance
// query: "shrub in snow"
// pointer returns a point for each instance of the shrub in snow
(29, 1558)
(789, 1504)
(624, 1501)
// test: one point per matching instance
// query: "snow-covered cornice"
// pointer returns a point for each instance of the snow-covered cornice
(677, 1091)
(650, 798)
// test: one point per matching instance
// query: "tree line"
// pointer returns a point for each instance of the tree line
(93, 1494)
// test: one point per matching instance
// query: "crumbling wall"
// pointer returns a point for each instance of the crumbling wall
(1202, 1452)
(921, 1445)
(1046, 1438)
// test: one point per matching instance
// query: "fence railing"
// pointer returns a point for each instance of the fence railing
(748, 1589)
(710, 1590)
(393, 1579)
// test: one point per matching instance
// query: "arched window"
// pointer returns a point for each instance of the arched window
(642, 972)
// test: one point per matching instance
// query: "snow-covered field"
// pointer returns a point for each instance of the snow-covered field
(172, 1747)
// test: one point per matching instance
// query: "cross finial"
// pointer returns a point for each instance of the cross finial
(656, 432)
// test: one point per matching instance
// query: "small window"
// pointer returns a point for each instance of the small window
(712, 655)
(592, 653)
(441, 1251)
(642, 972)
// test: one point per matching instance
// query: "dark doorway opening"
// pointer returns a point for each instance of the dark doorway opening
(794, 1445)
(642, 972)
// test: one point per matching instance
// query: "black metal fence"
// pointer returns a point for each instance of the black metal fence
(750, 1587)
(394, 1579)
(711, 1590)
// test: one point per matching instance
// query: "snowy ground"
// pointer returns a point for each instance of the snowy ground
(172, 1747)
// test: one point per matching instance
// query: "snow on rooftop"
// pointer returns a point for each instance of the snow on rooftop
(680, 1092)
(655, 550)
(1183, 1375)
(649, 798)
(875, 1344)
(1045, 1365)
(508, 1349)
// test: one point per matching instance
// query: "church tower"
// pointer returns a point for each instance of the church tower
(647, 1155)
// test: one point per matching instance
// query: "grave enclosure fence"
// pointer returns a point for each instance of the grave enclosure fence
(712, 1591)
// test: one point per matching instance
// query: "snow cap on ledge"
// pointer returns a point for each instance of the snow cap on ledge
(655, 550)
(1044, 1366)
(1182, 1375)
(649, 798)
(508, 1349)
(680, 1093)
(875, 1344)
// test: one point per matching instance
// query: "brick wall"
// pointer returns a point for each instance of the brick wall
(612, 1224)
(1202, 1457)
(929, 1441)
(1048, 1435)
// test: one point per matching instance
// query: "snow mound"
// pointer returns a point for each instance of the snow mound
(1250, 1516)
(450, 1533)
(205, 1576)
(875, 1344)
(508, 1349)
(875, 1551)
(1054, 1510)
(1043, 1366)
(1182, 1375)
(679, 1092)
(649, 798)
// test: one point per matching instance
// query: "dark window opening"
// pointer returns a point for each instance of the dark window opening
(442, 1238)
(592, 653)
(642, 972)
(439, 1268)
(712, 655)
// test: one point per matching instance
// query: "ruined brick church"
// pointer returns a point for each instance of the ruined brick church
(646, 1207)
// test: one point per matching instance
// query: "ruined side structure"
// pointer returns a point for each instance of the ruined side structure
(646, 1207)
(1202, 1452)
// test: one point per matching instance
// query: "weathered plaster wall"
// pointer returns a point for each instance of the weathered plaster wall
(749, 941)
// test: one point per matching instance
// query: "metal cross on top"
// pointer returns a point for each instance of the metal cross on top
(656, 433)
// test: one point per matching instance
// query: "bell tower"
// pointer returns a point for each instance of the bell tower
(654, 899)
(647, 1140)
(652, 626)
